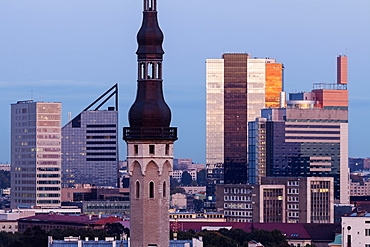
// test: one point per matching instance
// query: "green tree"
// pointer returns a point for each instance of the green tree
(215, 239)
(116, 230)
(186, 178)
(202, 177)
(35, 237)
(4, 179)
(174, 187)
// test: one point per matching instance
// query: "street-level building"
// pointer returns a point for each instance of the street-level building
(278, 199)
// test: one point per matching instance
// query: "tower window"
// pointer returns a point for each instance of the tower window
(151, 149)
(167, 151)
(137, 190)
(151, 189)
(136, 149)
(164, 189)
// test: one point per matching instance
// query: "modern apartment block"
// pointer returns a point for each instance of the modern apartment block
(35, 154)
(309, 138)
(278, 199)
(238, 86)
(90, 146)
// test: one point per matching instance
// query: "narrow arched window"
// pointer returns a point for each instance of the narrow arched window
(137, 190)
(151, 190)
(164, 189)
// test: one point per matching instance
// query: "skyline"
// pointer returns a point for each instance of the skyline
(46, 56)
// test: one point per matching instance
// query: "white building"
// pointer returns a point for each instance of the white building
(356, 230)
(178, 174)
(9, 220)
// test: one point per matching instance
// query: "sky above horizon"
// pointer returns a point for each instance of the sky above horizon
(73, 51)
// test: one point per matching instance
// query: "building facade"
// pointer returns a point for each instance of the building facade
(90, 149)
(307, 138)
(278, 199)
(356, 229)
(237, 87)
(35, 154)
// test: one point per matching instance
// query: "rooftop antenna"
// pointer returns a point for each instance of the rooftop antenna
(31, 94)
(69, 116)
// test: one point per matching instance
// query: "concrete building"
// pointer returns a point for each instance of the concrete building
(150, 140)
(35, 154)
(9, 219)
(356, 229)
(49, 222)
(177, 174)
(111, 242)
(98, 200)
(176, 217)
(360, 188)
(90, 146)
(278, 199)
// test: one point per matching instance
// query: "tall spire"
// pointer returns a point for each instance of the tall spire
(150, 109)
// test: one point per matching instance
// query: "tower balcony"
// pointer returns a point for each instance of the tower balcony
(150, 133)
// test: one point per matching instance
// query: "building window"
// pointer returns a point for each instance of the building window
(136, 149)
(137, 189)
(151, 149)
(151, 189)
(167, 151)
(367, 232)
(164, 189)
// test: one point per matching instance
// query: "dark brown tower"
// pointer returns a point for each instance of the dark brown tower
(149, 140)
(149, 110)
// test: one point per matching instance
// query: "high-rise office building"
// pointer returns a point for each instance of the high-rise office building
(35, 154)
(309, 138)
(238, 87)
(90, 145)
(149, 140)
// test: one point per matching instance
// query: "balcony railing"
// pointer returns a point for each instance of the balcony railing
(149, 133)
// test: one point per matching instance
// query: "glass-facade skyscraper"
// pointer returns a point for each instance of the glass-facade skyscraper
(90, 153)
(238, 86)
(90, 145)
(308, 138)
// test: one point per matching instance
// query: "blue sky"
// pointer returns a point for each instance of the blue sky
(71, 51)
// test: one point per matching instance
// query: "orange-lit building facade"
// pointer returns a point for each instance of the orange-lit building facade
(274, 85)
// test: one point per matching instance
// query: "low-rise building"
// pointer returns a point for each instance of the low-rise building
(111, 242)
(54, 221)
(177, 174)
(356, 229)
(196, 217)
(9, 219)
(278, 199)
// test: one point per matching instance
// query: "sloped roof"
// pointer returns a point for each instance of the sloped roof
(291, 231)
